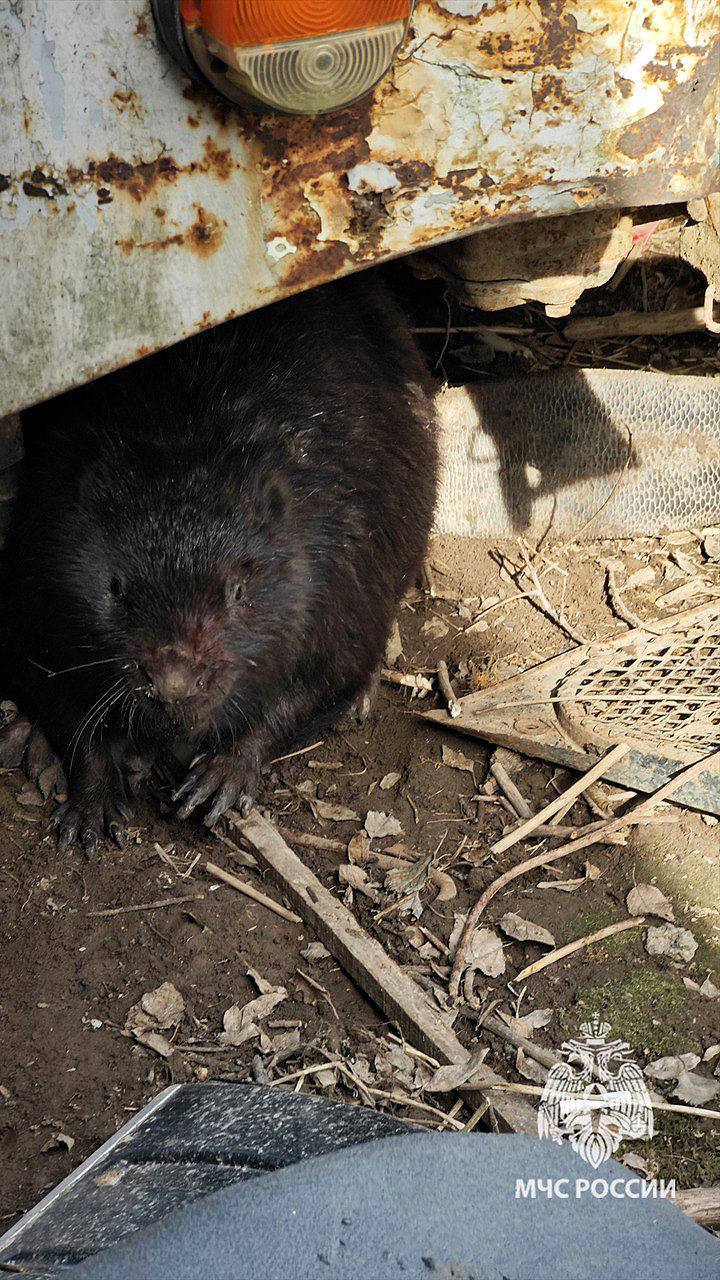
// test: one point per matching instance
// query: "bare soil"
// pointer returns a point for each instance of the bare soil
(69, 1067)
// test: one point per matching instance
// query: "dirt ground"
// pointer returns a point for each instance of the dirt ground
(72, 1068)
(70, 1071)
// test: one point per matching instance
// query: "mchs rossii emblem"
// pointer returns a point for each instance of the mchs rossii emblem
(597, 1097)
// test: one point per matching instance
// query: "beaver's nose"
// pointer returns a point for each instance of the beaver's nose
(174, 679)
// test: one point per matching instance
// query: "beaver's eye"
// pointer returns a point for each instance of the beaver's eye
(235, 591)
(236, 585)
(116, 588)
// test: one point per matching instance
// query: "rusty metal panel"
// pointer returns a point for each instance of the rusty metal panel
(135, 210)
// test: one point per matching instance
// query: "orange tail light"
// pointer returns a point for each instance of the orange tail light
(300, 56)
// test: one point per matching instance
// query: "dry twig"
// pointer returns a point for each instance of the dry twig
(250, 892)
(621, 610)
(447, 691)
(599, 830)
(563, 801)
(148, 906)
(551, 957)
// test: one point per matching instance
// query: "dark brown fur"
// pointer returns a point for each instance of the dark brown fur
(211, 545)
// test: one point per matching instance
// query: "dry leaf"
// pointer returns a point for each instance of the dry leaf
(285, 1045)
(524, 930)
(59, 1140)
(709, 990)
(529, 1068)
(447, 889)
(641, 578)
(671, 1068)
(164, 1005)
(668, 940)
(435, 628)
(332, 812)
(315, 951)
(711, 1053)
(632, 1160)
(379, 824)
(486, 953)
(240, 1024)
(456, 760)
(261, 983)
(711, 544)
(684, 562)
(154, 1040)
(648, 900)
(694, 1089)
(455, 1075)
(359, 847)
(357, 878)
(389, 781)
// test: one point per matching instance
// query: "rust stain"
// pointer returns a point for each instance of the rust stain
(678, 125)
(193, 121)
(217, 160)
(221, 111)
(549, 91)
(318, 267)
(126, 100)
(203, 238)
(205, 235)
(142, 26)
(138, 180)
(41, 185)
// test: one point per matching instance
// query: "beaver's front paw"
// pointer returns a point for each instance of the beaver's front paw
(225, 778)
(88, 816)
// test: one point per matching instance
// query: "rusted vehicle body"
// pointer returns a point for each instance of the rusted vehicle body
(136, 209)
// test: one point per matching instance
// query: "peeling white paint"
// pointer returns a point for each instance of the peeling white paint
(279, 248)
(372, 176)
(466, 8)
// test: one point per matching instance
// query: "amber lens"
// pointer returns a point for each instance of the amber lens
(253, 22)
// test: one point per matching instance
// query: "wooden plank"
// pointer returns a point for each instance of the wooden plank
(702, 1204)
(369, 965)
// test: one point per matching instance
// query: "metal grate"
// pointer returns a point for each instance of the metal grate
(666, 691)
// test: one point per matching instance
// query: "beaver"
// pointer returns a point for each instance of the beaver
(210, 547)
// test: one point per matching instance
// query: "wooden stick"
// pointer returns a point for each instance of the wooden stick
(407, 680)
(561, 801)
(148, 906)
(250, 892)
(447, 691)
(559, 954)
(367, 962)
(594, 1104)
(401, 1101)
(314, 842)
(306, 1071)
(619, 607)
(498, 1028)
(630, 323)
(701, 1203)
(595, 836)
(301, 752)
(508, 788)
